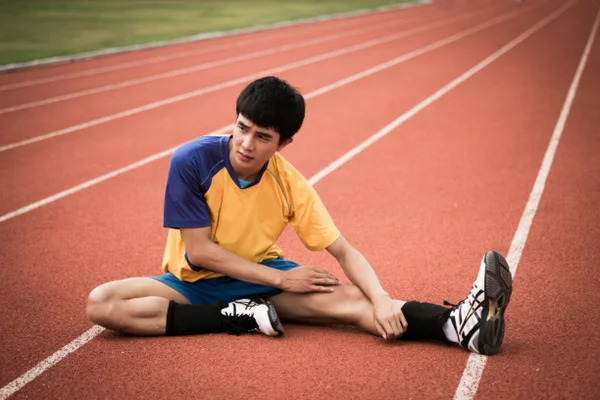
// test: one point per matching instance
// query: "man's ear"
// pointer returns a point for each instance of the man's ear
(284, 143)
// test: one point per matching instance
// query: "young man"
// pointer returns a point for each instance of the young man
(227, 201)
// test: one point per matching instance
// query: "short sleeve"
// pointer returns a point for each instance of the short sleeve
(185, 205)
(311, 220)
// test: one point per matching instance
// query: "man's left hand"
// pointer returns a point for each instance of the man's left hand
(389, 319)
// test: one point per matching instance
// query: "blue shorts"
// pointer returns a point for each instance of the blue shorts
(225, 289)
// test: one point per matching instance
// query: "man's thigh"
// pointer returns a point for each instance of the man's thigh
(133, 288)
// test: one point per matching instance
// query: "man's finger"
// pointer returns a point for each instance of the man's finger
(326, 281)
(325, 273)
(322, 272)
(327, 278)
(403, 321)
(389, 330)
(395, 324)
(319, 288)
(397, 327)
(380, 329)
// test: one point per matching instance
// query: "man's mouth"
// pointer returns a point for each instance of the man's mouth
(244, 157)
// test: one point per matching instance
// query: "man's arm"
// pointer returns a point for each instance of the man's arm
(204, 252)
(358, 269)
(387, 312)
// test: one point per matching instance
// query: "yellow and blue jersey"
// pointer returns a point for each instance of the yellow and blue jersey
(245, 218)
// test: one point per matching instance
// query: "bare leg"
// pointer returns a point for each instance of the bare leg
(347, 305)
(135, 305)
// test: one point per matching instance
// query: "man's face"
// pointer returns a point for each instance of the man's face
(252, 146)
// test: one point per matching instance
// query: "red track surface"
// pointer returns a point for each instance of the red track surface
(423, 204)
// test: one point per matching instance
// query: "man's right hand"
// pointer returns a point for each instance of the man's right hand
(308, 279)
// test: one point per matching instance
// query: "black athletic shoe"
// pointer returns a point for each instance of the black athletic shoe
(479, 319)
(248, 316)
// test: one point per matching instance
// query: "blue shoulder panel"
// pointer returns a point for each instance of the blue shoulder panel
(193, 165)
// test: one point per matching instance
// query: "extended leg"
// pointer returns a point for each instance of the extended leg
(476, 323)
(346, 305)
(349, 305)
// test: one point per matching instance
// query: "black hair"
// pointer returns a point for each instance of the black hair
(272, 103)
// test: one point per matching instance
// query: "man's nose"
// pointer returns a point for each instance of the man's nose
(248, 142)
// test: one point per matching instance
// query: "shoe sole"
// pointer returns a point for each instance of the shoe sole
(498, 288)
(274, 319)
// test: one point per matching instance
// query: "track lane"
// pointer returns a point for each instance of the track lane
(435, 251)
(554, 328)
(98, 201)
(46, 230)
(70, 258)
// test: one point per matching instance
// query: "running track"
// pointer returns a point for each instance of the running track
(447, 178)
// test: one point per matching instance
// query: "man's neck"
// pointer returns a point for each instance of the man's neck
(247, 178)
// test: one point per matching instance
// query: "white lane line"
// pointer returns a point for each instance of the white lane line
(231, 60)
(30, 375)
(168, 57)
(428, 101)
(467, 388)
(212, 35)
(49, 362)
(249, 78)
(318, 92)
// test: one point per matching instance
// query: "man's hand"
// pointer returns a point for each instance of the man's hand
(308, 279)
(389, 319)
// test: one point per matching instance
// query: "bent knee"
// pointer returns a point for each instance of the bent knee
(103, 294)
(100, 303)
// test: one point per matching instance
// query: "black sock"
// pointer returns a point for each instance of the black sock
(193, 319)
(425, 321)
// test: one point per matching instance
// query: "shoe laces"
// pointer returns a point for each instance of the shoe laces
(238, 324)
(454, 306)
(246, 302)
(470, 298)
